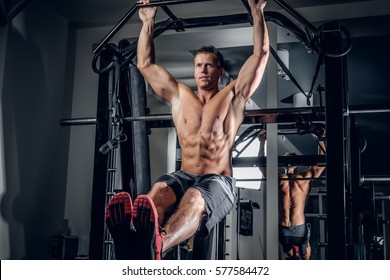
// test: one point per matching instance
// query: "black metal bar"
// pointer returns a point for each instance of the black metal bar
(131, 12)
(238, 220)
(159, 28)
(246, 5)
(282, 115)
(283, 111)
(296, 15)
(370, 178)
(148, 118)
(140, 151)
(98, 199)
(283, 179)
(336, 152)
(202, 247)
(169, 24)
(177, 23)
(367, 109)
(275, 17)
(354, 169)
(355, 109)
(300, 160)
(286, 23)
(382, 197)
(221, 240)
(169, 13)
(116, 28)
(318, 216)
(78, 121)
(215, 21)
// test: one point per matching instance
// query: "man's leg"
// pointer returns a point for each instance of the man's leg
(163, 198)
(185, 222)
(148, 214)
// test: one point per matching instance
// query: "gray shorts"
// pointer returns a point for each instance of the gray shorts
(294, 235)
(217, 191)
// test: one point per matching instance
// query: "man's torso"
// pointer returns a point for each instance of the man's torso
(292, 195)
(206, 132)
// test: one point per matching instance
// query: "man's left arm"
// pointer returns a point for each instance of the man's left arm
(317, 170)
(253, 69)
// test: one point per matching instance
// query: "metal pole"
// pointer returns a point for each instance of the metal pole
(260, 161)
(322, 231)
(78, 121)
(283, 179)
(355, 186)
(288, 112)
(336, 152)
(385, 229)
(368, 178)
(296, 15)
(271, 188)
(136, 92)
(367, 109)
(283, 111)
(382, 197)
(100, 175)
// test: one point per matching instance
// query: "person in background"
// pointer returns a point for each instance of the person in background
(294, 232)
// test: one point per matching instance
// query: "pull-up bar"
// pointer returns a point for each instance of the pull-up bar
(165, 3)
(131, 12)
(296, 15)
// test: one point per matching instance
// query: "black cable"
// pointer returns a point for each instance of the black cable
(319, 63)
(286, 70)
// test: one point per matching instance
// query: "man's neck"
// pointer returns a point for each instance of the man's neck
(206, 95)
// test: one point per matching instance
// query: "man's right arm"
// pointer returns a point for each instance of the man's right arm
(162, 82)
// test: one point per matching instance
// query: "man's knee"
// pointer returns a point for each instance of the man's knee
(162, 195)
(193, 198)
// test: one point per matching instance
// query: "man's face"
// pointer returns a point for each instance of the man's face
(206, 71)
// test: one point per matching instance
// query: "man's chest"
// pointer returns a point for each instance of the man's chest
(202, 119)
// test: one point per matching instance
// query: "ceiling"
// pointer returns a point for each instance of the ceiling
(361, 18)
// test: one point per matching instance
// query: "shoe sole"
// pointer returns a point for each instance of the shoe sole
(119, 222)
(145, 221)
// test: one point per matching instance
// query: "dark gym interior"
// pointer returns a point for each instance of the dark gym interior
(51, 176)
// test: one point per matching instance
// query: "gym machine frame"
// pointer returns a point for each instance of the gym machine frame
(337, 111)
(179, 25)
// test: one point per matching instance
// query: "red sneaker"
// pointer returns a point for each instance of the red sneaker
(145, 220)
(119, 223)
